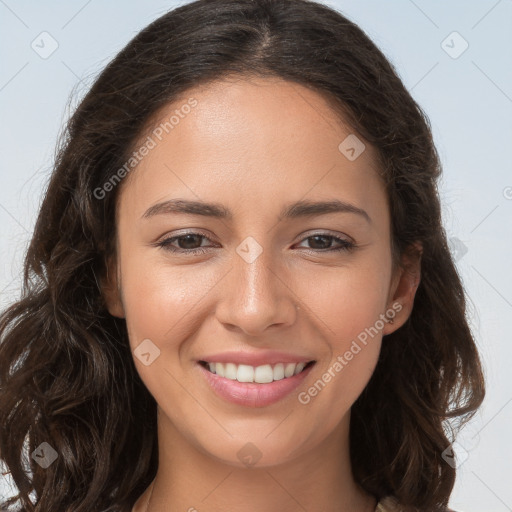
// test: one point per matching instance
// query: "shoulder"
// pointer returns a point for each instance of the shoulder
(391, 504)
(388, 504)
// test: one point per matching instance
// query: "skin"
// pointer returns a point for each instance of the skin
(254, 146)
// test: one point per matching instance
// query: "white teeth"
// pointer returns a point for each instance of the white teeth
(260, 374)
(263, 374)
(299, 368)
(219, 369)
(245, 373)
(289, 369)
(279, 371)
(230, 371)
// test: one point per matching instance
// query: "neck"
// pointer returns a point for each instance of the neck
(190, 480)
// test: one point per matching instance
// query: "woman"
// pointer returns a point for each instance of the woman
(309, 351)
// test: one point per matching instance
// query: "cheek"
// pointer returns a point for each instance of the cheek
(349, 303)
(163, 304)
(346, 301)
(161, 301)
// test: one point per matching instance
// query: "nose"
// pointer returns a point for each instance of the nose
(257, 295)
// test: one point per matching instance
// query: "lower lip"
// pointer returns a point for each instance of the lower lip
(252, 394)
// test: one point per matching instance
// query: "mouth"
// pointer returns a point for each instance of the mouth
(254, 386)
(263, 374)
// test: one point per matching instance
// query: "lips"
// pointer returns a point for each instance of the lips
(258, 358)
(254, 379)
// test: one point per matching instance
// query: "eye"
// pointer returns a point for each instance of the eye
(187, 241)
(324, 240)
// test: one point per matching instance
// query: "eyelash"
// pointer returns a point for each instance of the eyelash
(166, 244)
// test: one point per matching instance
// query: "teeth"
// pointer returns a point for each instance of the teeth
(289, 369)
(259, 374)
(299, 368)
(245, 373)
(263, 374)
(219, 369)
(279, 371)
(230, 371)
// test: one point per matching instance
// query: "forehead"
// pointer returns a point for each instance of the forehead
(248, 138)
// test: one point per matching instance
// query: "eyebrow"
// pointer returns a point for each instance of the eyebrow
(295, 210)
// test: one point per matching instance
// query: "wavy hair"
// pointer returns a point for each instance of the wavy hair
(67, 375)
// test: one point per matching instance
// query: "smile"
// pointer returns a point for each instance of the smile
(254, 386)
(262, 374)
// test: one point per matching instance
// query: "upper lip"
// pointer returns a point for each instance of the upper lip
(255, 358)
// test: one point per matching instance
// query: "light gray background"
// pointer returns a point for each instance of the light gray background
(468, 100)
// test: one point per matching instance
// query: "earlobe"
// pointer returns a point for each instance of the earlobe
(404, 288)
(111, 290)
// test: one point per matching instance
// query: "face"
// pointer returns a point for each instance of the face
(254, 280)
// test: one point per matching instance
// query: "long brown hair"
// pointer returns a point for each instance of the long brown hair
(67, 375)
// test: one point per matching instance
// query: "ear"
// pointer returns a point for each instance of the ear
(111, 289)
(403, 288)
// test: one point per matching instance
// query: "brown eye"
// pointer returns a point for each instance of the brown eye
(323, 243)
(188, 243)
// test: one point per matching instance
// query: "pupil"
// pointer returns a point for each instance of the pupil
(315, 239)
(187, 239)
